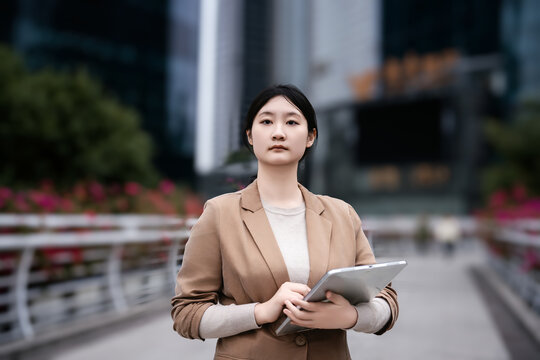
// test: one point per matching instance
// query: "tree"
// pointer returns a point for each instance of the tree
(64, 127)
(517, 146)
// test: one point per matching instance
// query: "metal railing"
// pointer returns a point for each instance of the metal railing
(64, 269)
(58, 269)
(515, 254)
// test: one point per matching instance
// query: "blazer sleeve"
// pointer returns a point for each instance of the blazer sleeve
(364, 255)
(199, 279)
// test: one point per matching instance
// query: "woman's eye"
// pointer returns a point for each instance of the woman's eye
(266, 122)
(292, 122)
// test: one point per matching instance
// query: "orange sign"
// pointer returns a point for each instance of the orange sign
(411, 74)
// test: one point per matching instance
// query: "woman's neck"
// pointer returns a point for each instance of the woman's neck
(278, 186)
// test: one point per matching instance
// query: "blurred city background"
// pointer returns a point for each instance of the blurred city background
(118, 119)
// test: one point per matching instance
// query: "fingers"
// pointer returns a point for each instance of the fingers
(332, 298)
(290, 291)
(305, 305)
(332, 314)
(336, 298)
(297, 287)
(296, 315)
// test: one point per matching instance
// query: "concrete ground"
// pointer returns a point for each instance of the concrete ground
(442, 316)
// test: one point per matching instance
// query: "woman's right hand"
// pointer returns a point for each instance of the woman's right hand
(270, 310)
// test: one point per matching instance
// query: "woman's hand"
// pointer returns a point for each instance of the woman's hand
(269, 311)
(337, 313)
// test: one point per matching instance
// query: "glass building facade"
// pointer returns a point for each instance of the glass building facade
(257, 49)
(423, 26)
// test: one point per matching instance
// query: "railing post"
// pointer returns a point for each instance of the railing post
(173, 260)
(114, 281)
(21, 292)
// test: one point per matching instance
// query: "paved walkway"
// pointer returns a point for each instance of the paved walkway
(442, 316)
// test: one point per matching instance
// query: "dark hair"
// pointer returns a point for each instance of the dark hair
(293, 95)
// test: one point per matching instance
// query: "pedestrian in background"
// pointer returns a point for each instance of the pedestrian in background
(254, 254)
(447, 232)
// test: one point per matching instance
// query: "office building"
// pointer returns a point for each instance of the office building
(403, 122)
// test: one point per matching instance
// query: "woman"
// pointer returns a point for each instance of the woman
(254, 254)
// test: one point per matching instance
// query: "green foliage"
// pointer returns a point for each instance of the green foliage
(518, 147)
(64, 128)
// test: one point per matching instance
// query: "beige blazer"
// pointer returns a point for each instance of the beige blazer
(232, 257)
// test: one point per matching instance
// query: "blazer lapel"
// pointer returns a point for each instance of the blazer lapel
(257, 223)
(319, 232)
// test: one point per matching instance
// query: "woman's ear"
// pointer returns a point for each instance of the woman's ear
(250, 140)
(312, 135)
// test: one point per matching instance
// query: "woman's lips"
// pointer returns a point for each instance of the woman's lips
(278, 147)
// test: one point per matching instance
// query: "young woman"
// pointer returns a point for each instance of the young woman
(254, 254)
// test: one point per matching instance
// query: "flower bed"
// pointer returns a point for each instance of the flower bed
(93, 197)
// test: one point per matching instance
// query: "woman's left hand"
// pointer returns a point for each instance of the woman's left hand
(337, 313)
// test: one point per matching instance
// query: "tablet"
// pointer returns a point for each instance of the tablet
(357, 284)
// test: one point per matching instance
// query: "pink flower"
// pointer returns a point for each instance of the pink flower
(132, 188)
(66, 205)
(96, 191)
(5, 193)
(35, 196)
(519, 193)
(503, 215)
(533, 205)
(166, 186)
(498, 199)
(46, 202)
(21, 204)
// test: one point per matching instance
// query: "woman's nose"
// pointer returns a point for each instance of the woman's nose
(278, 133)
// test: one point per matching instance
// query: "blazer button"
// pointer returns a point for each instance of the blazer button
(300, 340)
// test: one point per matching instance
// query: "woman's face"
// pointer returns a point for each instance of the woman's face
(279, 133)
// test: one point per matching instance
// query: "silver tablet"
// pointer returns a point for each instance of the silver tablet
(357, 284)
